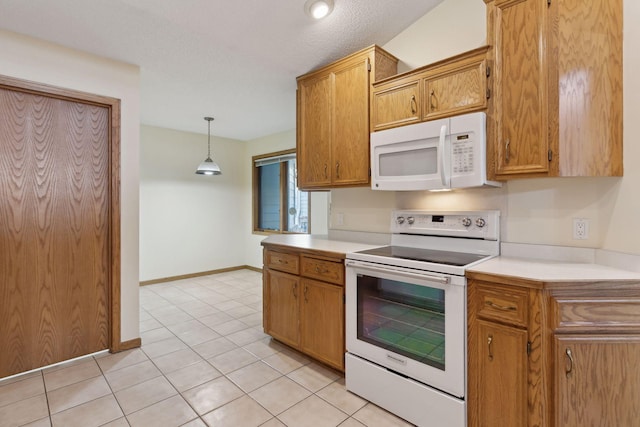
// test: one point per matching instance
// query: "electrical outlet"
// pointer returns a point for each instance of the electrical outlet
(340, 218)
(580, 228)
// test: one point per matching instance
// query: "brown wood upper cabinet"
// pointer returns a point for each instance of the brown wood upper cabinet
(449, 87)
(557, 74)
(333, 119)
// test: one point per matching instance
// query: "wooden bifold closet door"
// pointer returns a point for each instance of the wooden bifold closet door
(55, 229)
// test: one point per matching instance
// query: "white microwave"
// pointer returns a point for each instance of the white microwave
(436, 155)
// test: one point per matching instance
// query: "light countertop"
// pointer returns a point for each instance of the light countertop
(520, 267)
(551, 271)
(316, 243)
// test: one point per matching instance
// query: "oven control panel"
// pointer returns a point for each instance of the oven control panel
(471, 224)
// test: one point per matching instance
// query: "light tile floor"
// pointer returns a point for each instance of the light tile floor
(204, 362)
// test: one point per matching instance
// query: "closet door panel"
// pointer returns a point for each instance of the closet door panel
(54, 230)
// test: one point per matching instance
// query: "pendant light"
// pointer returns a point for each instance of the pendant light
(208, 167)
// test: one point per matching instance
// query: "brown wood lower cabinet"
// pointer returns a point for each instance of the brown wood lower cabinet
(502, 374)
(281, 291)
(322, 321)
(553, 354)
(597, 380)
(304, 302)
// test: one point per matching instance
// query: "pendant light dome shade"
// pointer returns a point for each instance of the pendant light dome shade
(208, 166)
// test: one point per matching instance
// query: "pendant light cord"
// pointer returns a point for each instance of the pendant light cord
(209, 119)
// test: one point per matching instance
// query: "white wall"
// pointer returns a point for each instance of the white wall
(30, 59)
(534, 210)
(189, 223)
(453, 27)
(319, 200)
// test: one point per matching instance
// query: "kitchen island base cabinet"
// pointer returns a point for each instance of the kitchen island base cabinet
(597, 380)
(303, 298)
(561, 354)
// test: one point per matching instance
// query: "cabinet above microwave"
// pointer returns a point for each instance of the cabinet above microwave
(453, 86)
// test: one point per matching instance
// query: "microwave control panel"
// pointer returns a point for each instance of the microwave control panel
(462, 152)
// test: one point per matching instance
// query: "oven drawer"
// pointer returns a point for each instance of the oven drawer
(281, 261)
(503, 304)
(323, 269)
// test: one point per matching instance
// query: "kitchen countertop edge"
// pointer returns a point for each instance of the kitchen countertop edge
(549, 274)
(315, 243)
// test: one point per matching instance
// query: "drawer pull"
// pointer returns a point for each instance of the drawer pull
(283, 261)
(501, 307)
(414, 105)
(569, 367)
(321, 270)
(295, 290)
(432, 97)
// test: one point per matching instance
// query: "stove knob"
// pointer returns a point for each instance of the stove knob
(400, 220)
(480, 222)
(411, 220)
(466, 221)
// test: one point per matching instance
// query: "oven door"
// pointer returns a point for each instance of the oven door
(409, 321)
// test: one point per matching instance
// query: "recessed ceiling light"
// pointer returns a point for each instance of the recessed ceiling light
(318, 9)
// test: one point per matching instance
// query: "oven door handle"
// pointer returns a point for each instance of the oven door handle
(399, 270)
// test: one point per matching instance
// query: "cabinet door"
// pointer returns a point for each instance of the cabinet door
(350, 142)
(597, 380)
(521, 142)
(457, 92)
(502, 375)
(314, 132)
(322, 322)
(396, 104)
(281, 318)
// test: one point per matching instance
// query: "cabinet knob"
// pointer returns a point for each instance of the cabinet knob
(414, 104)
(338, 169)
(433, 100)
(325, 171)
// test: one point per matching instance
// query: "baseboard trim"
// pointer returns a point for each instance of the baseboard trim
(126, 345)
(202, 273)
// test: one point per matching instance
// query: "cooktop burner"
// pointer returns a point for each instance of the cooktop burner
(428, 255)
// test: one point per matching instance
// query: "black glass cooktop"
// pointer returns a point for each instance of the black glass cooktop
(459, 259)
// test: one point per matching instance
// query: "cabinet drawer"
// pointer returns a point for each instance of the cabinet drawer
(321, 269)
(506, 305)
(596, 313)
(289, 263)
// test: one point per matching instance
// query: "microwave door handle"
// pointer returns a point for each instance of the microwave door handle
(444, 164)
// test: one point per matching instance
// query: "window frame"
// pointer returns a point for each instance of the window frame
(255, 178)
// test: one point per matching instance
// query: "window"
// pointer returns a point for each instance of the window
(278, 205)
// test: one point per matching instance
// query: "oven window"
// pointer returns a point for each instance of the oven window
(401, 317)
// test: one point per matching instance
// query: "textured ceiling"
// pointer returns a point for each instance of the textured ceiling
(234, 60)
